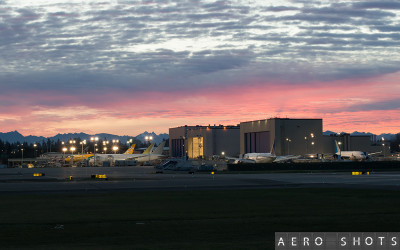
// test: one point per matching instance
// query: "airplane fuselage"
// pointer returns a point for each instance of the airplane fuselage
(260, 157)
(78, 158)
(352, 155)
(113, 157)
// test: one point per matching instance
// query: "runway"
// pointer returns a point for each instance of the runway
(145, 178)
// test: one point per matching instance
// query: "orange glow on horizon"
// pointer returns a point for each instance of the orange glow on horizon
(344, 106)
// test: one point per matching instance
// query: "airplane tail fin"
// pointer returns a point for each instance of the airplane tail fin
(159, 149)
(337, 149)
(272, 152)
(148, 150)
(130, 149)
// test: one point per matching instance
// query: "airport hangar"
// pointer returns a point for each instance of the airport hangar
(290, 136)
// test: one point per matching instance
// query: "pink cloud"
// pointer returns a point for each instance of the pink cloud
(340, 104)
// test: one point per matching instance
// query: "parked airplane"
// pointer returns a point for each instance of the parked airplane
(350, 155)
(233, 160)
(260, 157)
(255, 157)
(286, 158)
(79, 158)
(112, 157)
(156, 154)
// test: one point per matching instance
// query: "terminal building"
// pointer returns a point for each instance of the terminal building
(282, 136)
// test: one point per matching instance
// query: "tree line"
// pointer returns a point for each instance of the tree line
(31, 150)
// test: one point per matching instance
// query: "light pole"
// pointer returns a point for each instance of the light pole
(288, 145)
(64, 150)
(115, 148)
(94, 140)
(340, 151)
(22, 159)
(306, 140)
(129, 142)
(72, 150)
(383, 147)
(82, 143)
(183, 148)
(34, 148)
(149, 139)
(105, 143)
(312, 145)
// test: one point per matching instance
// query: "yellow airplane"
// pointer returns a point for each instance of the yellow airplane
(78, 158)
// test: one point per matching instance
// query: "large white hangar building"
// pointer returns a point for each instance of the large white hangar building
(284, 135)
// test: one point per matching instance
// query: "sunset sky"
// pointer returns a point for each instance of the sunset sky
(128, 66)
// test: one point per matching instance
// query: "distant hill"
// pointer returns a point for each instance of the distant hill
(356, 133)
(328, 133)
(387, 136)
(360, 133)
(15, 136)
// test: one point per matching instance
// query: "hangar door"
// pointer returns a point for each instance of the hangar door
(257, 142)
(178, 147)
(195, 147)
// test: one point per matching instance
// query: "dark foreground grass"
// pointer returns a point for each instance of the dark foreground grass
(232, 219)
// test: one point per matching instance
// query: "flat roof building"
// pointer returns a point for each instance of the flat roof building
(347, 142)
(286, 136)
(204, 141)
(282, 136)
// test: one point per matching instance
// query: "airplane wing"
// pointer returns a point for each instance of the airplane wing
(233, 160)
(375, 153)
(286, 158)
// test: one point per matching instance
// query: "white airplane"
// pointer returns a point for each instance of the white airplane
(286, 158)
(112, 157)
(350, 155)
(79, 158)
(156, 154)
(260, 157)
(233, 160)
(255, 157)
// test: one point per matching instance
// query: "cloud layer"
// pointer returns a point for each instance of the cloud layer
(154, 64)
